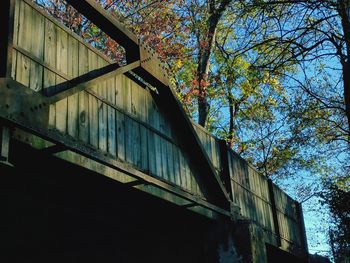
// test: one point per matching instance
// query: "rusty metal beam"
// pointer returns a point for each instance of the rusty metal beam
(110, 25)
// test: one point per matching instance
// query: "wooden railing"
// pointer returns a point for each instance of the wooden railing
(251, 193)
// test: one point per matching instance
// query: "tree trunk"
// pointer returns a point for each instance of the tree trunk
(342, 10)
(231, 120)
(204, 56)
(203, 70)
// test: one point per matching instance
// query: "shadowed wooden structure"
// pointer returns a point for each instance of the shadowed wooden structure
(64, 103)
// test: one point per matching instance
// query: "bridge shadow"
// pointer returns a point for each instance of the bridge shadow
(56, 212)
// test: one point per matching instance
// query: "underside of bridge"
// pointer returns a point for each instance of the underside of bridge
(57, 212)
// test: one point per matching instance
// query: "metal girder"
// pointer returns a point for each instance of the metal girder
(23, 106)
(152, 64)
(110, 25)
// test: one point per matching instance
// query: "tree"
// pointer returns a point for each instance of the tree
(307, 33)
(339, 234)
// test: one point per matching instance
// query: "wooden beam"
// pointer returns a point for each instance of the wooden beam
(110, 25)
(99, 76)
(6, 33)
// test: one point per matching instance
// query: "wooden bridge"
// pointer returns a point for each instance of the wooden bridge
(65, 104)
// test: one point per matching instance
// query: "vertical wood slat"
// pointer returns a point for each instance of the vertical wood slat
(37, 49)
(25, 28)
(119, 90)
(83, 97)
(102, 110)
(164, 164)
(144, 148)
(126, 86)
(15, 38)
(151, 153)
(93, 104)
(111, 119)
(61, 65)
(73, 101)
(177, 171)
(24, 36)
(121, 140)
(170, 161)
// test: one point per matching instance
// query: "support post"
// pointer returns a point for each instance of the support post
(4, 145)
(6, 33)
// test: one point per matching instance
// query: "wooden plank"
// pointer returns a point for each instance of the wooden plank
(132, 138)
(135, 94)
(187, 173)
(50, 43)
(164, 158)
(50, 81)
(14, 64)
(61, 110)
(151, 153)
(38, 34)
(102, 118)
(111, 118)
(23, 63)
(170, 161)
(120, 129)
(182, 172)
(127, 94)
(25, 28)
(61, 65)
(102, 108)
(93, 104)
(158, 155)
(62, 51)
(73, 101)
(15, 39)
(36, 76)
(177, 174)
(144, 148)
(143, 106)
(23, 69)
(119, 91)
(129, 140)
(33, 42)
(93, 121)
(83, 97)
(136, 148)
